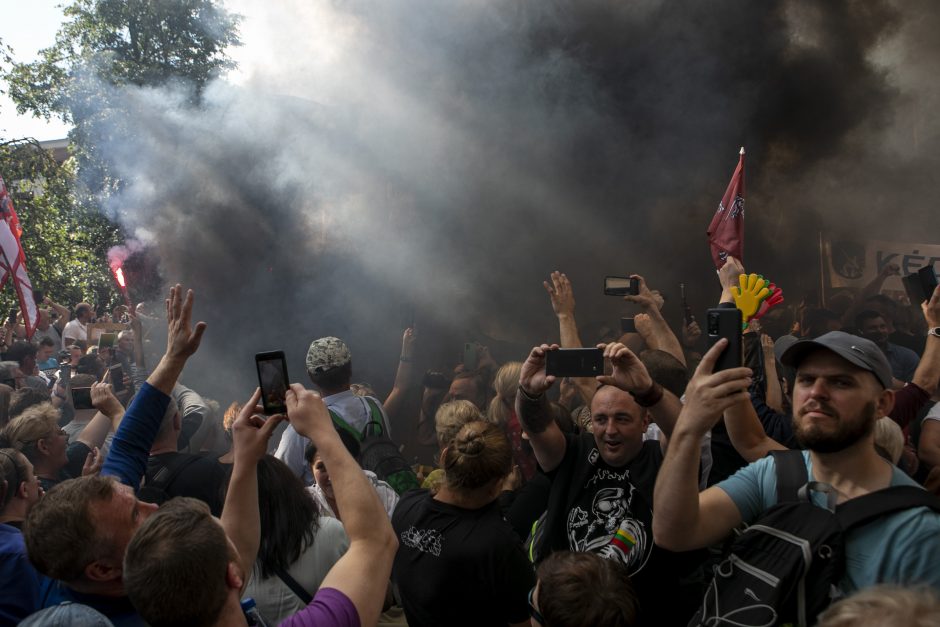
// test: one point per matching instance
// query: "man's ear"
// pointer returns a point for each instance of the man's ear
(233, 576)
(885, 402)
(42, 446)
(440, 461)
(104, 570)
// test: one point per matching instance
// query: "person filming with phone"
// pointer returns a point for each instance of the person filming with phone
(602, 483)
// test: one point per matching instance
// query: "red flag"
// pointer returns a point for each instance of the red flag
(13, 261)
(726, 231)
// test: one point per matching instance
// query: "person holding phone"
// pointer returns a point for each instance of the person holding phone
(601, 496)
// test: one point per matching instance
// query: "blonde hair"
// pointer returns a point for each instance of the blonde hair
(889, 439)
(33, 424)
(450, 419)
(505, 383)
(479, 455)
(885, 606)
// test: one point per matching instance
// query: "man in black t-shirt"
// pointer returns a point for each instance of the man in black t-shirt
(602, 483)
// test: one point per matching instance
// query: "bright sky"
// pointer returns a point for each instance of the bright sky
(28, 26)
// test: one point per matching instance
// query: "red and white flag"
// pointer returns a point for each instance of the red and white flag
(13, 261)
(726, 231)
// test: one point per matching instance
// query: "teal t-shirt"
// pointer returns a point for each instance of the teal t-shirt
(901, 548)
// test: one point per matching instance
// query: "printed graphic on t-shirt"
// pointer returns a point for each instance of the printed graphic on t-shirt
(425, 540)
(612, 519)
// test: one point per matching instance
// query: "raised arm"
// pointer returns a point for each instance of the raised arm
(62, 310)
(403, 376)
(547, 440)
(240, 516)
(363, 572)
(107, 419)
(686, 519)
(134, 438)
(657, 333)
(927, 375)
(562, 296)
(773, 395)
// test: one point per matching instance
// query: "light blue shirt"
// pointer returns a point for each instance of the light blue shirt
(351, 408)
(901, 548)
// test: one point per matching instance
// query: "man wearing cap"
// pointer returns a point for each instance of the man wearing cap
(843, 383)
(329, 365)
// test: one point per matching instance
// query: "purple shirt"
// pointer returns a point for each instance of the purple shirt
(329, 608)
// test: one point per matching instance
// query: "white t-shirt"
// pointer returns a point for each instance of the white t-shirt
(75, 330)
(274, 599)
(386, 493)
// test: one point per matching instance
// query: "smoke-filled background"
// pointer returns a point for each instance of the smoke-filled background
(370, 154)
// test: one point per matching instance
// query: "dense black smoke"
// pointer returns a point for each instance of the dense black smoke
(451, 154)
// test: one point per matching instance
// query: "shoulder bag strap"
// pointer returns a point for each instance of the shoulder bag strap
(791, 474)
(295, 587)
(863, 509)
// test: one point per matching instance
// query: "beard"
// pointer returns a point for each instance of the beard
(845, 433)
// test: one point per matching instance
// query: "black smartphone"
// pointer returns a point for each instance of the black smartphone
(12, 316)
(117, 377)
(928, 281)
(436, 380)
(471, 356)
(726, 323)
(627, 325)
(621, 286)
(81, 398)
(575, 362)
(272, 377)
(107, 340)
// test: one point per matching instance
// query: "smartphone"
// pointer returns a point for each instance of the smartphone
(627, 325)
(436, 380)
(117, 377)
(12, 317)
(726, 323)
(81, 398)
(621, 286)
(928, 281)
(575, 362)
(272, 378)
(107, 340)
(471, 358)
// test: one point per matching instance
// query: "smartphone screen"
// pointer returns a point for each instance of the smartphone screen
(574, 362)
(117, 377)
(928, 281)
(726, 323)
(107, 340)
(621, 286)
(272, 378)
(471, 359)
(81, 398)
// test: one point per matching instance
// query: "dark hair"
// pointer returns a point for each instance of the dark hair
(12, 471)
(60, 534)
(89, 364)
(82, 308)
(20, 351)
(24, 398)
(176, 565)
(815, 319)
(584, 589)
(666, 370)
(289, 516)
(864, 316)
(348, 440)
(47, 341)
(478, 455)
(333, 378)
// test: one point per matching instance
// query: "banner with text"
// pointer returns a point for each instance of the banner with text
(855, 263)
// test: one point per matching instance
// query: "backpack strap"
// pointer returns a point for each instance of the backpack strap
(375, 424)
(342, 424)
(791, 474)
(291, 583)
(165, 475)
(863, 509)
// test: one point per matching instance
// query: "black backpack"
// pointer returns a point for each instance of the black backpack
(378, 453)
(160, 476)
(786, 567)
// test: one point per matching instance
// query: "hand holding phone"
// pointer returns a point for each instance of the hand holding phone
(725, 322)
(621, 286)
(574, 362)
(273, 381)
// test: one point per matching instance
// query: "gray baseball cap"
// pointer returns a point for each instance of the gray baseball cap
(855, 350)
(67, 614)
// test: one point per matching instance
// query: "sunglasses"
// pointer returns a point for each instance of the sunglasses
(533, 611)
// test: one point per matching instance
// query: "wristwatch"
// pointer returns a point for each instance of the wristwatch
(934, 332)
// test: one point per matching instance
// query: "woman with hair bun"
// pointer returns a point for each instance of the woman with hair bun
(458, 562)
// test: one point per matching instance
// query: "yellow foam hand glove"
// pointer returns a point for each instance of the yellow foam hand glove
(750, 295)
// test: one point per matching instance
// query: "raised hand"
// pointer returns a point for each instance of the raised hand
(710, 393)
(559, 290)
(104, 400)
(690, 334)
(532, 377)
(182, 338)
(408, 339)
(251, 432)
(729, 273)
(629, 373)
(93, 462)
(645, 298)
(307, 412)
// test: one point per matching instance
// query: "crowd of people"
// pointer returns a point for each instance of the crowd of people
(634, 497)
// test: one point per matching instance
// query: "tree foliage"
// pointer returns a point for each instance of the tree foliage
(65, 241)
(107, 44)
